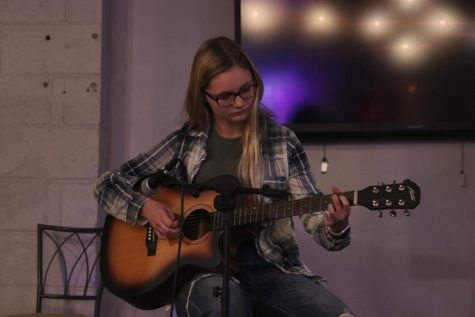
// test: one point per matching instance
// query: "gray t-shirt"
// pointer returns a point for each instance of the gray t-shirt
(223, 155)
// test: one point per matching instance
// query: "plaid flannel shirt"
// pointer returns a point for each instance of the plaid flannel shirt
(285, 166)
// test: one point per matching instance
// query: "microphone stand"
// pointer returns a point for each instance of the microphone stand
(228, 187)
(223, 203)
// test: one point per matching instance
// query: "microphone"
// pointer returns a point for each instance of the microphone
(151, 184)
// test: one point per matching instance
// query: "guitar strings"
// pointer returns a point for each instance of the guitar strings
(257, 212)
(254, 214)
(195, 220)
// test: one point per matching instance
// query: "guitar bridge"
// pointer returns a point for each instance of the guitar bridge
(151, 241)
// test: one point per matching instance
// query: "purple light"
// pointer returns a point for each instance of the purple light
(286, 91)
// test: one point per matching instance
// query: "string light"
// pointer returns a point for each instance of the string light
(376, 24)
(320, 20)
(407, 49)
(262, 18)
(442, 22)
(423, 19)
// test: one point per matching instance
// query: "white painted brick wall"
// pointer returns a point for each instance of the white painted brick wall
(31, 11)
(50, 83)
(54, 152)
(24, 100)
(72, 49)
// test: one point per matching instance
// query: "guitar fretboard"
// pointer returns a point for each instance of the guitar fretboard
(267, 211)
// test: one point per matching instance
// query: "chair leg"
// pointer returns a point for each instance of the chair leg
(97, 306)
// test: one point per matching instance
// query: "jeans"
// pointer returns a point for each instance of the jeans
(259, 286)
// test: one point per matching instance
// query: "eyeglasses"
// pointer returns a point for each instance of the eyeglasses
(227, 99)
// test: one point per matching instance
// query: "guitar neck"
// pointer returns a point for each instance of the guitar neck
(267, 211)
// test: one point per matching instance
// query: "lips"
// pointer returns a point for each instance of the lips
(239, 113)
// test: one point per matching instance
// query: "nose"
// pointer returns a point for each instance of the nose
(239, 102)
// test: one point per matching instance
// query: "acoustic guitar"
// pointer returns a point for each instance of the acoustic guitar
(139, 268)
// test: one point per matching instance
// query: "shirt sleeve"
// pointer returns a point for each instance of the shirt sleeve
(114, 190)
(302, 184)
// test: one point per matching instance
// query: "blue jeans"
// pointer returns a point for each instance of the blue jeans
(259, 289)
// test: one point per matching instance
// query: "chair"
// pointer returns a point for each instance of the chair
(68, 265)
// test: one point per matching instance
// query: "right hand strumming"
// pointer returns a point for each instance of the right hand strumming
(161, 218)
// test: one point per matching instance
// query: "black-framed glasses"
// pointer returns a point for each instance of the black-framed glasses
(227, 99)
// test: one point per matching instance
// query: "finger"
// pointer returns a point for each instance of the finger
(168, 226)
(160, 235)
(165, 233)
(164, 229)
(170, 214)
(172, 232)
(329, 215)
(168, 223)
(336, 190)
(336, 202)
(344, 200)
(330, 209)
(168, 218)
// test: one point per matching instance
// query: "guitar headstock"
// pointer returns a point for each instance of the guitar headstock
(405, 195)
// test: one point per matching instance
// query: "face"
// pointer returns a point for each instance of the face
(235, 80)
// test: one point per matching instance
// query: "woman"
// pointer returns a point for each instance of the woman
(227, 132)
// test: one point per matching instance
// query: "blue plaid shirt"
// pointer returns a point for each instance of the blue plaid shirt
(285, 166)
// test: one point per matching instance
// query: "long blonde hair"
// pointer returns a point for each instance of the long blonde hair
(214, 57)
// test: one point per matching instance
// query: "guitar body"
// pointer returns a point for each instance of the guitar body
(146, 281)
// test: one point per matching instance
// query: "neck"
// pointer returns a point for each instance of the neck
(228, 131)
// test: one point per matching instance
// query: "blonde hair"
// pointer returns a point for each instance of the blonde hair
(215, 56)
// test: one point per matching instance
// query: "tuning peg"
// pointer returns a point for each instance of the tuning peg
(380, 213)
(407, 213)
(393, 213)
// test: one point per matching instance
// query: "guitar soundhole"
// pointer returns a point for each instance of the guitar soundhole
(196, 224)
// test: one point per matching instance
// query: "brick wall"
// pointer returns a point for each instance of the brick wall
(50, 77)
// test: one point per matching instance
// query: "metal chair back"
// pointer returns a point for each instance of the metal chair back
(68, 265)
